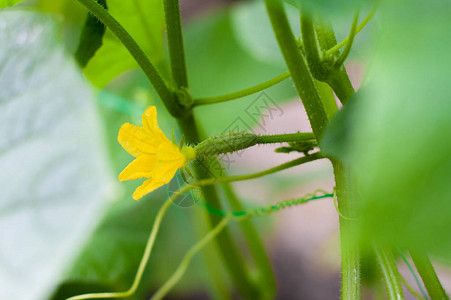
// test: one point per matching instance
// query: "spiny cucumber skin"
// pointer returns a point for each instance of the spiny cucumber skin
(226, 143)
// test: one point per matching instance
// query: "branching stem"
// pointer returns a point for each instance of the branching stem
(240, 94)
(183, 266)
(389, 272)
(359, 28)
(175, 43)
(141, 58)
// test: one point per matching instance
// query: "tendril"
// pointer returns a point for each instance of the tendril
(338, 210)
(318, 194)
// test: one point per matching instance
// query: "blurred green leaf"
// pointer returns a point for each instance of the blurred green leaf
(55, 178)
(113, 253)
(8, 3)
(91, 37)
(218, 65)
(399, 144)
(110, 259)
(253, 31)
(330, 8)
(338, 134)
(144, 20)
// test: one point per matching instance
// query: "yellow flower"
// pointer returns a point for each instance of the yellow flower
(157, 158)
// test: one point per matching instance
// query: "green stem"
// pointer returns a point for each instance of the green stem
(428, 274)
(341, 85)
(183, 266)
(216, 286)
(161, 213)
(341, 59)
(337, 79)
(231, 257)
(300, 74)
(350, 261)
(141, 58)
(246, 92)
(311, 49)
(323, 32)
(287, 165)
(327, 96)
(390, 272)
(236, 141)
(411, 289)
(256, 247)
(144, 259)
(318, 118)
(417, 280)
(253, 212)
(282, 138)
(175, 43)
(359, 28)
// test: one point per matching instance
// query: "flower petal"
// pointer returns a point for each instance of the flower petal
(149, 118)
(153, 183)
(142, 166)
(170, 153)
(150, 124)
(136, 141)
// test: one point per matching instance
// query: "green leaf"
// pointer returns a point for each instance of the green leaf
(91, 37)
(221, 65)
(253, 31)
(329, 7)
(110, 259)
(144, 20)
(55, 178)
(8, 3)
(400, 148)
(338, 134)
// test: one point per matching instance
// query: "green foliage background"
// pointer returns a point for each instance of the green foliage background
(395, 132)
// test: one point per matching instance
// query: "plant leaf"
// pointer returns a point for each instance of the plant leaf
(54, 175)
(8, 3)
(399, 146)
(220, 65)
(144, 20)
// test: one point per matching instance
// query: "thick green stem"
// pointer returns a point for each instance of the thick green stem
(341, 85)
(300, 74)
(162, 88)
(428, 274)
(350, 261)
(318, 118)
(175, 43)
(335, 77)
(231, 257)
(390, 272)
(232, 260)
(240, 94)
(282, 138)
(310, 44)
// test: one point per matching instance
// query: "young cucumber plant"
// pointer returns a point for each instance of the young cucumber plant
(313, 58)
